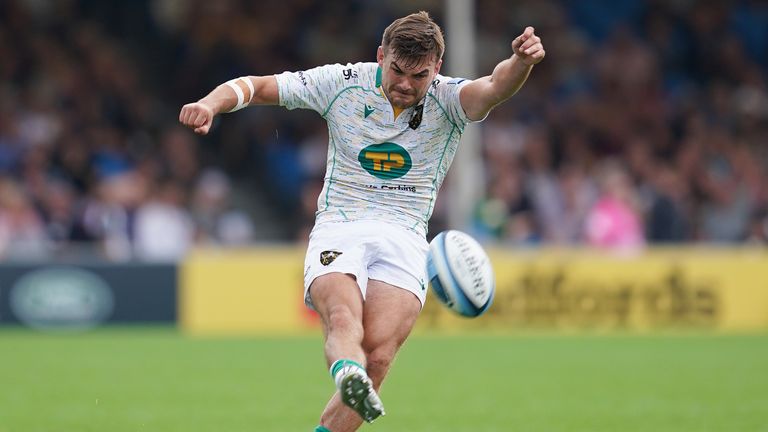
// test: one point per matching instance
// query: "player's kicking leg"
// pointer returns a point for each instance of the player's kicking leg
(337, 298)
(388, 317)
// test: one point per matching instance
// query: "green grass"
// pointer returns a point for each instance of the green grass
(157, 380)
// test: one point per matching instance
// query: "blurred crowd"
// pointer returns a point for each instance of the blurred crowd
(646, 123)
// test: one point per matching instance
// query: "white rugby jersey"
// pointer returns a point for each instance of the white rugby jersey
(378, 167)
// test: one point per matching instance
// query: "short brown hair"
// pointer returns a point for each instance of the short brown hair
(414, 37)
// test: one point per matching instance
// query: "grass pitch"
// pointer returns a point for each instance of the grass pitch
(150, 379)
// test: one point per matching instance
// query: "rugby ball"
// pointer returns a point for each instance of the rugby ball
(460, 273)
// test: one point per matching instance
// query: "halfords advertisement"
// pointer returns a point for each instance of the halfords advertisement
(720, 289)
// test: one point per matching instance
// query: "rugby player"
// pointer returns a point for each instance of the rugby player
(394, 126)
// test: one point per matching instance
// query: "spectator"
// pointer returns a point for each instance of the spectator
(22, 232)
(614, 221)
(163, 227)
(217, 223)
(506, 214)
(667, 218)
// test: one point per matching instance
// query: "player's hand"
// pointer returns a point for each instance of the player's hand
(197, 116)
(528, 47)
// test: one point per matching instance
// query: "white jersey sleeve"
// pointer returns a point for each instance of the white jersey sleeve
(315, 88)
(446, 90)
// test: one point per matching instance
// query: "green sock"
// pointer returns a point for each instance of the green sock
(322, 429)
(338, 364)
(341, 367)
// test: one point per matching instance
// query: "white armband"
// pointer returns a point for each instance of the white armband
(241, 103)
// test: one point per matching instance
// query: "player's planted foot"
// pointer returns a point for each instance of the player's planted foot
(357, 393)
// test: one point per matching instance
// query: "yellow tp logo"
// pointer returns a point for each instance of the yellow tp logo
(386, 160)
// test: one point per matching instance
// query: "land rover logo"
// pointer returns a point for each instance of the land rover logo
(61, 298)
(386, 160)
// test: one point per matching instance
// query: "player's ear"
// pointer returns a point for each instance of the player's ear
(380, 56)
(437, 66)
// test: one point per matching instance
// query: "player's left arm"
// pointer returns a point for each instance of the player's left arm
(480, 96)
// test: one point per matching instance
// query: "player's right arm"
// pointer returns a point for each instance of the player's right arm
(230, 96)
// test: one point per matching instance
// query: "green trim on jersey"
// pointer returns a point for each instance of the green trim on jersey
(333, 168)
(378, 76)
(430, 206)
(330, 104)
(445, 113)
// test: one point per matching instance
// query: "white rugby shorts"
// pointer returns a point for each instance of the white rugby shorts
(368, 250)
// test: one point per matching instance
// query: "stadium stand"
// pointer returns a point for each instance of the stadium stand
(645, 124)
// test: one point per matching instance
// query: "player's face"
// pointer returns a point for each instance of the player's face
(406, 86)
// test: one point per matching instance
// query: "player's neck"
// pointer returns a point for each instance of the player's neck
(397, 111)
